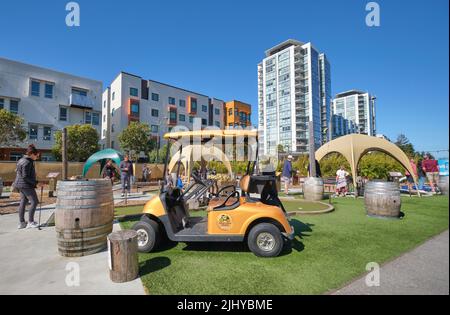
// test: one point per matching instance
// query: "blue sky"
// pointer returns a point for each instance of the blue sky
(213, 47)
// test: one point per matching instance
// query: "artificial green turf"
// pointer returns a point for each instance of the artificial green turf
(329, 250)
(301, 205)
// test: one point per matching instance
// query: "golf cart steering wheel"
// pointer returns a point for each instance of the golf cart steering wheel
(197, 179)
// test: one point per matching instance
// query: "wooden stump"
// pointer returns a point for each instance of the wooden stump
(123, 248)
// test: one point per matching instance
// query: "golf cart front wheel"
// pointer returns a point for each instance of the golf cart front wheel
(265, 240)
(148, 235)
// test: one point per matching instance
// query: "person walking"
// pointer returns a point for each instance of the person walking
(26, 184)
(109, 171)
(126, 172)
(409, 176)
(145, 173)
(421, 174)
(286, 175)
(431, 169)
(341, 181)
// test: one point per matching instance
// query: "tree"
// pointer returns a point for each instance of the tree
(280, 148)
(11, 128)
(403, 143)
(136, 138)
(82, 143)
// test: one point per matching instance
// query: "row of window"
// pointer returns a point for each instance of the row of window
(33, 132)
(171, 100)
(13, 105)
(35, 89)
(90, 118)
(243, 116)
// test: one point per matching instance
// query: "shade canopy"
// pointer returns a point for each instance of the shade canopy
(186, 158)
(102, 156)
(353, 147)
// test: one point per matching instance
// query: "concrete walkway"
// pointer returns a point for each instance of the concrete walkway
(30, 264)
(422, 271)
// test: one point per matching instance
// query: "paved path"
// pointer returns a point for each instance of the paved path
(424, 270)
(30, 264)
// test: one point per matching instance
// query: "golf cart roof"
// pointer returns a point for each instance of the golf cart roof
(212, 133)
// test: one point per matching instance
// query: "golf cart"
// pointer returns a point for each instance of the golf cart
(234, 217)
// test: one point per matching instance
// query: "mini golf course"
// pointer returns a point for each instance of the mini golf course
(329, 250)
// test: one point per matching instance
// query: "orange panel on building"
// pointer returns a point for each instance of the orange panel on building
(237, 114)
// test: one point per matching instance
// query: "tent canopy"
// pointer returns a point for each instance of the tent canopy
(102, 156)
(353, 147)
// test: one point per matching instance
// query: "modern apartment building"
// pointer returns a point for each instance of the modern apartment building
(341, 126)
(162, 106)
(47, 100)
(237, 114)
(294, 88)
(358, 107)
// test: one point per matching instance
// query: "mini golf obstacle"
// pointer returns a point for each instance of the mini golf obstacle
(382, 199)
(84, 216)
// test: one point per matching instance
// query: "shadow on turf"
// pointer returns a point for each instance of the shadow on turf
(154, 264)
(299, 227)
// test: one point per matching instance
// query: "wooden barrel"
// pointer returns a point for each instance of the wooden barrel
(84, 216)
(443, 185)
(382, 199)
(313, 189)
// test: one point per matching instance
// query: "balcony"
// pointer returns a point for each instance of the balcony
(81, 101)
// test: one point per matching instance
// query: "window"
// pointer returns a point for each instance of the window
(33, 132)
(80, 92)
(63, 114)
(2, 103)
(171, 101)
(112, 130)
(48, 90)
(47, 133)
(104, 118)
(14, 106)
(104, 104)
(230, 112)
(193, 106)
(15, 156)
(182, 103)
(155, 129)
(134, 92)
(217, 124)
(191, 119)
(88, 118)
(204, 121)
(155, 97)
(204, 108)
(95, 119)
(155, 113)
(172, 115)
(182, 117)
(112, 112)
(113, 95)
(217, 111)
(135, 109)
(112, 144)
(35, 88)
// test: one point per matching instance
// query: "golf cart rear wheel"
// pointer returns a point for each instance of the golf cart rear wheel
(148, 235)
(265, 240)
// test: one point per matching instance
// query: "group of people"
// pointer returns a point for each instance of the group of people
(426, 169)
(126, 169)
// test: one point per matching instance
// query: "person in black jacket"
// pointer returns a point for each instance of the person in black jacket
(26, 183)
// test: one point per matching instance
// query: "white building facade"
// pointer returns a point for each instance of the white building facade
(48, 101)
(294, 88)
(132, 98)
(357, 107)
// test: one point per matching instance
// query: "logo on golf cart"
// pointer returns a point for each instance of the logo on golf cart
(224, 221)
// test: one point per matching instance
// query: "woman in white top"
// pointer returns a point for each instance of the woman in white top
(341, 181)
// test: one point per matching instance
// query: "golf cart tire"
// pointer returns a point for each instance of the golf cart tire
(268, 229)
(153, 235)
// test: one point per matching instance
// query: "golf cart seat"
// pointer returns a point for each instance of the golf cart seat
(232, 200)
